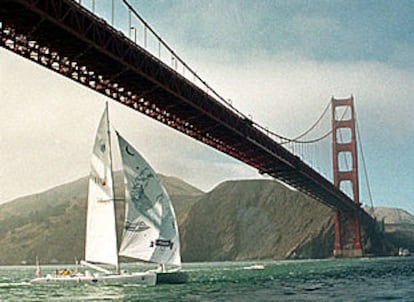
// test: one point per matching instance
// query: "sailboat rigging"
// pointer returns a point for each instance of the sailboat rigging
(150, 228)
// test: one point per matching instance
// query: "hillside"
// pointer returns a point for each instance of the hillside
(237, 220)
(393, 215)
(182, 194)
(256, 219)
(52, 224)
(33, 225)
(263, 219)
(53, 198)
(398, 226)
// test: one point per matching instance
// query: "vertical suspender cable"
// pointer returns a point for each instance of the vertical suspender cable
(365, 168)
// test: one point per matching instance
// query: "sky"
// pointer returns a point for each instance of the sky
(279, 62)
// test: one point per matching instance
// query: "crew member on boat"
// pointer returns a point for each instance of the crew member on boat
(65, 272)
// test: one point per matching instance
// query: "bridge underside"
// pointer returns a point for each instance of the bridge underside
(69, 40)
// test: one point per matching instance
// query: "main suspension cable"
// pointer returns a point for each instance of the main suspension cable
(314, 125)
(280, 137)
(258, 126)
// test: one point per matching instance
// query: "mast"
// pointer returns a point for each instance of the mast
(112, 170)
(101, 238)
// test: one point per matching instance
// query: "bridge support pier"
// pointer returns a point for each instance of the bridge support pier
(347, 235)
(347, 224)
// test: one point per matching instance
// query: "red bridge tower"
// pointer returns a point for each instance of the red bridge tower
(347, 224)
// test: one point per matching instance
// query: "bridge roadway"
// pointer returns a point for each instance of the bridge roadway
(68, 39)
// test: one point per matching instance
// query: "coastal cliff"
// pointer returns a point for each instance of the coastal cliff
(237, 220)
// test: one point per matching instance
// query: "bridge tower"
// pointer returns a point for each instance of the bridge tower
(347, 224)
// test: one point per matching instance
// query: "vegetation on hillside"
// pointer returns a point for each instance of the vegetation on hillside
(238, 220)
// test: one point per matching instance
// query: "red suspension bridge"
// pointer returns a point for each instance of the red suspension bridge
(70, 40)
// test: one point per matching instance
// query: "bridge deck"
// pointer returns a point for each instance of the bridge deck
(68, 39)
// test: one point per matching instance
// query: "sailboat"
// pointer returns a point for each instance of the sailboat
(150, 232)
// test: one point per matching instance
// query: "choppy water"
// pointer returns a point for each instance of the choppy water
(373, 279)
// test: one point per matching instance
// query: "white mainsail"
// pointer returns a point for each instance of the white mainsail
(151, 231)
(101, 242)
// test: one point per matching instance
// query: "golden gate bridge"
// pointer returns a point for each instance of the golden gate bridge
(136, 68)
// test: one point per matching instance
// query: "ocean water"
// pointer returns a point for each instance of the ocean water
(366, 279)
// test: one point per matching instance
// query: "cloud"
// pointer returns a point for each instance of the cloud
(288, 96)
(274, 89)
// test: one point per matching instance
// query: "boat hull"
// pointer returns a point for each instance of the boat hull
(172, 278)
(140, 278)
(254, 267)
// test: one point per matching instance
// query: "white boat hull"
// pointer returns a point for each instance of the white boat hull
(255, 266)
(139, 278)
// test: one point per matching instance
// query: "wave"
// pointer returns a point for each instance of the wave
(13, 284)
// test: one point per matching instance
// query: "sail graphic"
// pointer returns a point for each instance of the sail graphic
(150, 228)
(151, 232)
(101, 242)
